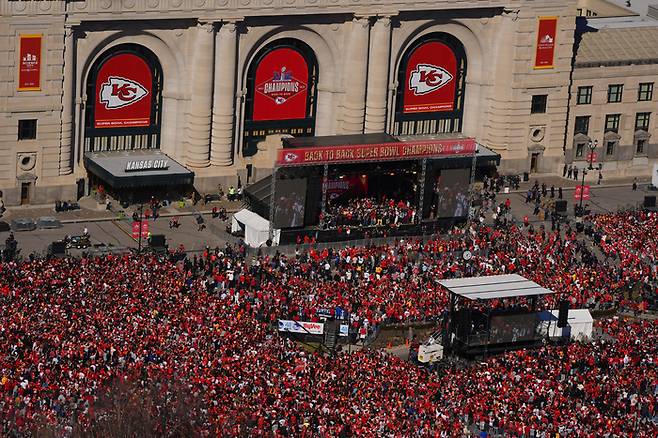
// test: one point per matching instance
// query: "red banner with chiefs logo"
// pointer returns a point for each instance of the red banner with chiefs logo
(581, 192)
(123, 93)
(376, 152)
(281, 86)
(546, 33)
(144, 229)
(431, 79)
(29, 67)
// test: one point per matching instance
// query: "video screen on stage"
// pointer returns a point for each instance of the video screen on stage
(289, 203)
(451, 193)
(514, 328)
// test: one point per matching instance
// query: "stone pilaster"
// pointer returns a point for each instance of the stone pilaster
(378, 63)
(198, 117)
(355, 79)
(66, 117)
(221, 144)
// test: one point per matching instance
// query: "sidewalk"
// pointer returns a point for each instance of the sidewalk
(571, 184)
(90, 215)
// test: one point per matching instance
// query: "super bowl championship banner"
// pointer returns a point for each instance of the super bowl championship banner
(29, 67)
(546, 34)
(376, 152)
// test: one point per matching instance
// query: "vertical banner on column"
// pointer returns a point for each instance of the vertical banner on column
(29, 65)
(546, 34)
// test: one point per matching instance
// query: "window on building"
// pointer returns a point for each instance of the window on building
(640, 145)
(538, 104)
(645, 92)
(580, 149)
(614, 93)
(584, 95)
(582, 125)
(27, 129)
(612, 122)
(642, 121)
(610, 148)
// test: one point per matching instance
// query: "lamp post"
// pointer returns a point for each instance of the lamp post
(139, 244)
(592, 146)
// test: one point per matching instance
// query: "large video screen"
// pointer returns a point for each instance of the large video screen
(289, 203)
(451, 193)
(514, 328)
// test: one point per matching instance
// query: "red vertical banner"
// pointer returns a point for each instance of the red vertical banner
(144, 230)
(581, 193)
(124, 87)
(281, 86)
(546, 35)
(431, 79)
(29, 66)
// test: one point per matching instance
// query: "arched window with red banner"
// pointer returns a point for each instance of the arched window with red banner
(281, 93)
(124, 100)
(431, 85)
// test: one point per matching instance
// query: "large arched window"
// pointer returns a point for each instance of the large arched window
(124, 100)
(281, 93)
(431, 85)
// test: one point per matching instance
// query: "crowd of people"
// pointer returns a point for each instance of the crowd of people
(368, 212)
(69, 328)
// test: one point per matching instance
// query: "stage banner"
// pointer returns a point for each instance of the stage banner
(431, 79)
(281, 87)
(546, 34)
(309, 328)
(123, 93)
(354, 184)
(29, 69)
(376, 152)
(584, 192)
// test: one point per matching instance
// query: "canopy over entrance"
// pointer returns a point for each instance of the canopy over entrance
(137, 168)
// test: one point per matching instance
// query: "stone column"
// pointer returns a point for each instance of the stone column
(355, 79)
(221, 144)
(198, 118)
(66, 117)
(378, 64)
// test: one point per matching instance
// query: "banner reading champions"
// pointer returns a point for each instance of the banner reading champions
(546, 32)
(431, 79)
(281, 86)
(123, 93)
(29, 70)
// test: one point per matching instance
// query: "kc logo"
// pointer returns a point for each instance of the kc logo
(427, 78)
(290, 157)
(118, 92)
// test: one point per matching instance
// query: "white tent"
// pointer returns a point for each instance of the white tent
(579, 324)
(256, 228)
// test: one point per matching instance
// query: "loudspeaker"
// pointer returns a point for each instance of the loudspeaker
(563, 314)
(560, 206)
(463, 323)
(649, 202)
(157, 241)
(58, 248)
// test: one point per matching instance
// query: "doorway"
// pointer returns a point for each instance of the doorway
(534, 162)
(25, 193)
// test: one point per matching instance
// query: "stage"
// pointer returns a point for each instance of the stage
(372, 185)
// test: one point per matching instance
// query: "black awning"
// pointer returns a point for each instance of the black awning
(137, 169)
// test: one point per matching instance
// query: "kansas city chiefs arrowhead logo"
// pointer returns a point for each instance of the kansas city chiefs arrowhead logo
(427, 78)
(118, 92)
(290, 157)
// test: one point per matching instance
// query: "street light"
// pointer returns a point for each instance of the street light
(592, 146)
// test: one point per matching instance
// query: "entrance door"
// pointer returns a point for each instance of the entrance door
(25, 193)
(80, 185)
(534, 162)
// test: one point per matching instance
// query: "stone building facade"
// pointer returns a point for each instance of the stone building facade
(204, 58)
(613, 101)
